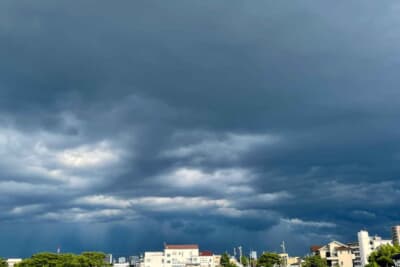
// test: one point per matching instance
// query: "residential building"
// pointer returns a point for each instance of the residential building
(206, 259)
(253, 255)
(134, 261)
(396, 235)
(217, 260)
(335, 253)
(369, 244)
(288, 261)
(12, 262)
(108, 259)
(181, 255)
(154, 259)
(355, 249)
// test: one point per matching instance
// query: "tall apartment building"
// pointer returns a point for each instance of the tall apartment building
(335, 253)
(369, 244)
(396, 235)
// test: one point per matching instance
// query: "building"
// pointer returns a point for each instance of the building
(369, 244)
(288, 261)
(134, 261)
(181, 255)
(154, 259)
(217, 260)
(253, 255)
(396, 235)
(335, 253)
(355, 249)
(108, 259)
(206, 259)
(12, 262)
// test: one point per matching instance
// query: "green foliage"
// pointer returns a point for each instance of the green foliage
(225, 261)
(268, 259)
(244, 260)
(45, 259)
(314, 261)
(3, 263)
(383, 256)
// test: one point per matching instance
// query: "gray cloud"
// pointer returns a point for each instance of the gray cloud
(219, 123)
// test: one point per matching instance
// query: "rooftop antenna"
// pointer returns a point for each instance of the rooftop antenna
(283, 247)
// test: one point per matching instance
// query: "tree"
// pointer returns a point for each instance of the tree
(45, 259)
(224, 259)
(383, 256)
(268, 259)
(244, 260)
(3, 263)
(314, 261)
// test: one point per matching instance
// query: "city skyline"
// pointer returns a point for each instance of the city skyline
(219, 123)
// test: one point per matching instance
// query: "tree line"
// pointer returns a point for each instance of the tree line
(47, 259)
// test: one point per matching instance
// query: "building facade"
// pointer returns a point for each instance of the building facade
(355, 249)
(396, 235)
(181, 256)
(369, 244)
(335, 253)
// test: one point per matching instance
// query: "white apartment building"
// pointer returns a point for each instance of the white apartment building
(12, 262)
(369, 244)
(181, 256)
(335, 253)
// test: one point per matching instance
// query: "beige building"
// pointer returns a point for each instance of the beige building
(396, 235)
(181, 256)
(288, 261)
(335, 253)
(154, 259)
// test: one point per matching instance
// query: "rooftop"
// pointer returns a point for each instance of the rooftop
(192, 246)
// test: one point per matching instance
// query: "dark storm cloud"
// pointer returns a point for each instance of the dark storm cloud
(219, 123)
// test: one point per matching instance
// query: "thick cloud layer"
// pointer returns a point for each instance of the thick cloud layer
(124, 125)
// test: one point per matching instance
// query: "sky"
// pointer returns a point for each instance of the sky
(127, 124)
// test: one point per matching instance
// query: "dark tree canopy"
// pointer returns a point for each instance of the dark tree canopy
(45, 259)
(268, 259)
